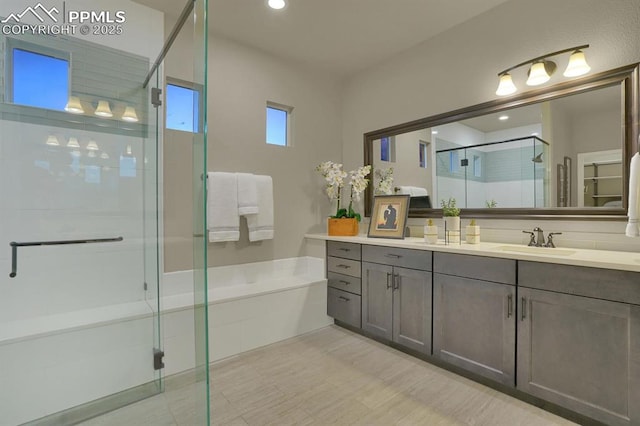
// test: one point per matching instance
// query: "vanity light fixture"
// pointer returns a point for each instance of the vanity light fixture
(103, 110)
(276, 4)
(74, 106)
(541, 69)
(130, 115)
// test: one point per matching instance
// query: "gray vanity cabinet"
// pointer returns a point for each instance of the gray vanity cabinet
(474, 323)
(343, 280)
(575, 348)
(396, 301)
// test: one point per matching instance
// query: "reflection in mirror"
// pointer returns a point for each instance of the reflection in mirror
(562, 150)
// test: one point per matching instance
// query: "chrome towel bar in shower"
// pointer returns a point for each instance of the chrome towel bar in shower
(14, 248)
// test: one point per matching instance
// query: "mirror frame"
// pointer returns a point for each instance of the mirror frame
(627, 77)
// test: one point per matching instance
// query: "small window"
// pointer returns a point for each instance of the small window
(39, 80)
(422, 146)
(477, 166)
(278, 124)
(183, 108)
(388, 149)
(454, 162)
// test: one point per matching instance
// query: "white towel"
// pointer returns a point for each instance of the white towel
(223, 220)
(247, 194)
(413, 191)
(261, 224)
(633, 227)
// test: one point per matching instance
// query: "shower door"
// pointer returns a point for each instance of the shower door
(79, 271)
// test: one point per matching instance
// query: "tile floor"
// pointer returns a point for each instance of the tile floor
(333, 377)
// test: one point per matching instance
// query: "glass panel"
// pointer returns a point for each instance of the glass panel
(200, 289)
(79, 316)
(510, 173)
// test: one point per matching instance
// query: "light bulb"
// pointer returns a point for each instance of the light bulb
(577, 65)
(506, 86)
(537, 74)
(276, 4)
(130, 115)
(103, 110)
(74, 106)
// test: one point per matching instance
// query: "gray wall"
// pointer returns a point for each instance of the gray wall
(241, 81)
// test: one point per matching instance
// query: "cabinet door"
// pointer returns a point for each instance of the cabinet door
(474, 326)
(412, 309)
(581, 353)
(377, 299)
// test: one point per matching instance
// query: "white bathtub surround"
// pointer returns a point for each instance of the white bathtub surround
(261, 224)
(250, 305)
(633, 227)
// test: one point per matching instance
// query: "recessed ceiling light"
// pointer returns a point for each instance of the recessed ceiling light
(434, 132)
(534, 134)
(276, 4)
(503, 117)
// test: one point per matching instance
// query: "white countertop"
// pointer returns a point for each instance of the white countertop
(625, 261)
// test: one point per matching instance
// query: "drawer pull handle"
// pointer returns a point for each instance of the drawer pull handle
(396, 281)
(524, 309)
(344, 249)
(343, 266)
(344, 299)
(344, 282)
(388, 280)
(509, 305)
(393, 256)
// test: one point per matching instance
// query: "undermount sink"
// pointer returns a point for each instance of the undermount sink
(547, 251)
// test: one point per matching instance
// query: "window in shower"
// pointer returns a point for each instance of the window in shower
(39, 76)
(183, 107)
(278, 124)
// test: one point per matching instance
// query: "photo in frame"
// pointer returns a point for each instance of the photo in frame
(389, 216)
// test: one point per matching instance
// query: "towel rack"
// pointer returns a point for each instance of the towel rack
(14, 248)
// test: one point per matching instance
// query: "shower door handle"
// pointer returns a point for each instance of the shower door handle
(14, 248)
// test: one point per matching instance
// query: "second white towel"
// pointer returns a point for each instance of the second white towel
(633, 227)
(261, 224)
(247, 194)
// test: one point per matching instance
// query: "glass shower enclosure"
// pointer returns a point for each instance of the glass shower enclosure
(510, 173)
(80, 209)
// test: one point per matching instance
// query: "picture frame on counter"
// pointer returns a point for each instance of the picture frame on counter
(389, 216)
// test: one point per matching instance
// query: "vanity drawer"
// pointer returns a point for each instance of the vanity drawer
(405, 258)
(343, 266)
(607, 284)
(344, 250)
(344, 306)
(476, 267)
(344, 282)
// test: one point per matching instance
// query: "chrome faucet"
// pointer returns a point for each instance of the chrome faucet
(540, 237)
(537, 238)
(550, 239)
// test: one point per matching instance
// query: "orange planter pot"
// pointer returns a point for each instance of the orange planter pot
(342, 227)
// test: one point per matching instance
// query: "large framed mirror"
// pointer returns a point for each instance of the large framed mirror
(559, 152)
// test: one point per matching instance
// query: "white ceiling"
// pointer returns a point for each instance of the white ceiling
(339, 36)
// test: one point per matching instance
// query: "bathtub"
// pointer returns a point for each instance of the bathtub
(250, 305)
